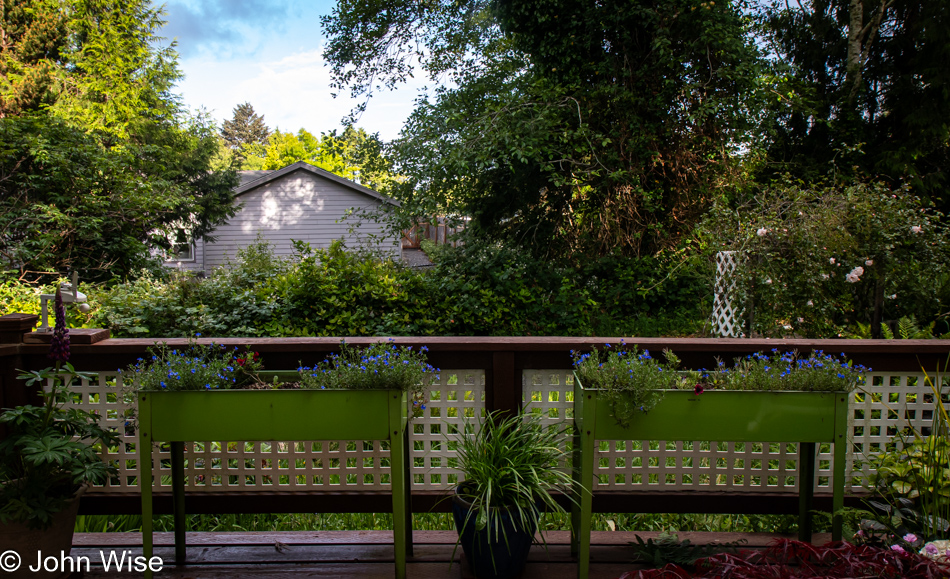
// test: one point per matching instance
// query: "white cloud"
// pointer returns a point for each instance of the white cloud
(292, 92)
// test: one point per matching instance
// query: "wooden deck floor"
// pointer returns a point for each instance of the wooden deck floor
(363, 554)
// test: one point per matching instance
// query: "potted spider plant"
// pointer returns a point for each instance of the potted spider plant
(47, 461)
(622, 393)
(510, 467)
(359, 394)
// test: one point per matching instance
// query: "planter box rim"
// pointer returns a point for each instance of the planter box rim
(717, 390)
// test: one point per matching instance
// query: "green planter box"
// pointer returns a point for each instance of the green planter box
(273, 415)
(721, 415)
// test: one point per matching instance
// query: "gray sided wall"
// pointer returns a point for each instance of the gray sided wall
(300, 206)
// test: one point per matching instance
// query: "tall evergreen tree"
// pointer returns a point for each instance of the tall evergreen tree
(245, 130)
(100, 163)
(862, 89)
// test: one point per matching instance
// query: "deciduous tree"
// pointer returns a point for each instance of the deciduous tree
(588, 128)
(353, 154)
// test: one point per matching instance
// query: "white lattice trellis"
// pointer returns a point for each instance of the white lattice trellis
(293, 465)
(727, 315)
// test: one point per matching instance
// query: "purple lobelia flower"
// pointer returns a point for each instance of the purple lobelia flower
(59, 346)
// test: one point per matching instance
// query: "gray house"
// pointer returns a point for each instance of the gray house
(298, 202)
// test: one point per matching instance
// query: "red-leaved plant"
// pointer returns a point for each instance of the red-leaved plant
(787, 559)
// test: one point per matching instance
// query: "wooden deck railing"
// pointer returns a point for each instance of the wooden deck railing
(494, 373)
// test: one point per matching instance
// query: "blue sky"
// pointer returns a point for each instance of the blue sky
(268, 53)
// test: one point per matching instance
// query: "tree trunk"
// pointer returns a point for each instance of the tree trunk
(877, 316)
(855, 26)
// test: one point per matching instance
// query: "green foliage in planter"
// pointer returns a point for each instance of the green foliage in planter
(380, 366)
(196, 367)
(49, 452)
(632, 381)
(819, 372)
(511, 464)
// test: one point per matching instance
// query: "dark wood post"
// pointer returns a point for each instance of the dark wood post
(503, 384)
(12, 329)
(14, 326)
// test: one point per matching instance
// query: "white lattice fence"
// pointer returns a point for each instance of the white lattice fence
(293, 465)
(891, 401)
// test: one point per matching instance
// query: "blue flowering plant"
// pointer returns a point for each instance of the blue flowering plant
(380, 366)
(631, 381)
(50, 452)
(816, 372)
(196, 367)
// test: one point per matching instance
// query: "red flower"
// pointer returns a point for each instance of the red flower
(256, 356)
(240, 361)
(698, 389)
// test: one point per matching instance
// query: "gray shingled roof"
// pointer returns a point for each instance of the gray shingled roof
(248, 176)
(255, 179)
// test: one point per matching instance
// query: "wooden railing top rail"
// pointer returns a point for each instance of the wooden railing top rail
(530, 352)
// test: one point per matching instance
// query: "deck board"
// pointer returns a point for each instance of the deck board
(367, 554)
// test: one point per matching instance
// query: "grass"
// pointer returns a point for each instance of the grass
(672, 522)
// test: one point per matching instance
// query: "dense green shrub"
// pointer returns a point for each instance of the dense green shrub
(821, 259)
(24, 298)
(232, 302)
(476, 289)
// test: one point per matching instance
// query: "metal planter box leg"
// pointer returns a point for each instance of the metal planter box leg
(806, 418)
(272, 415)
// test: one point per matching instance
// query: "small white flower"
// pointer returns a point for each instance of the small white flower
(762, 232)
(801, 320)
(769, 281)
(811, 303)
(869, 262)
(831, 261)
(855, 275)
(892, 297)
(916, 229)
(787, 327)
(825, 276)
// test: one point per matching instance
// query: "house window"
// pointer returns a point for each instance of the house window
(183, 252)
(183, 249)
